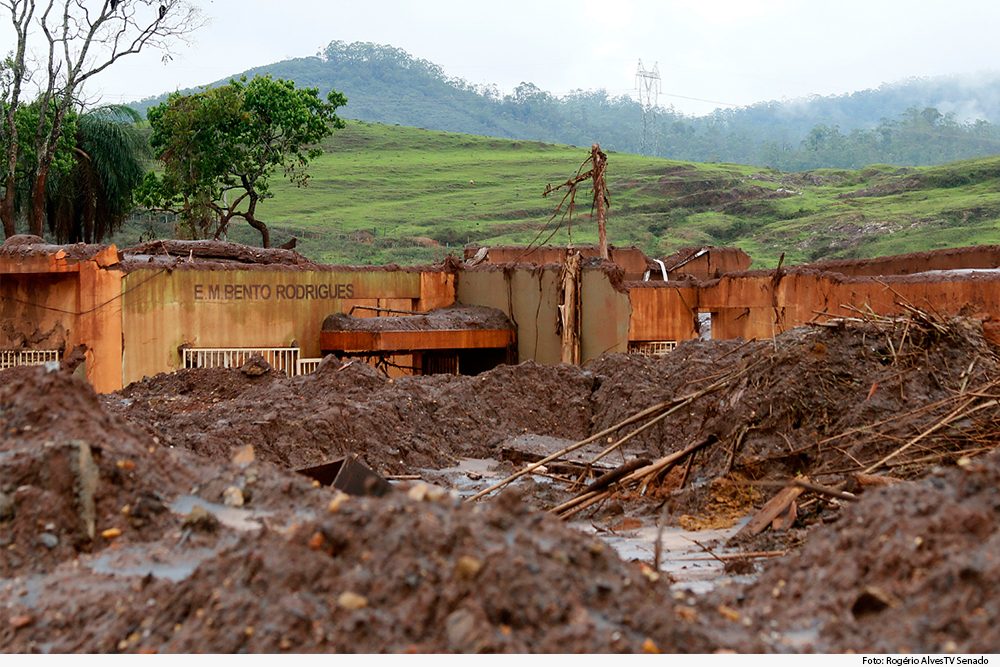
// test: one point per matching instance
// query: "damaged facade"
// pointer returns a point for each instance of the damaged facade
(165, 305)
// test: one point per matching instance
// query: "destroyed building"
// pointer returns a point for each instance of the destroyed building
(166, 305)
(176, 514)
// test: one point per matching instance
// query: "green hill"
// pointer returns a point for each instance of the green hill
(914, 122)
(385, 193)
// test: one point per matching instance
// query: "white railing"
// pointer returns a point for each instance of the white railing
(656, 348)
(307, 366)
(11, 358)
(285, 359)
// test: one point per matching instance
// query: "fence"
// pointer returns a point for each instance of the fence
(656, 348)
(307, 366)
(284, 359)
(11, 358)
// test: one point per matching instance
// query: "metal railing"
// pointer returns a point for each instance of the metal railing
(306, 366)
(11, 358)
(285, 359)
(655, 348)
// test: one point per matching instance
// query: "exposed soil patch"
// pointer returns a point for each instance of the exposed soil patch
(104, 548)
(446, 319)
(911, 568)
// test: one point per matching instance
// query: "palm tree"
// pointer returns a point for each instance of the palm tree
(92, 200)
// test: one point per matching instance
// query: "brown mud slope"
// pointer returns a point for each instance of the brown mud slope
(349, 407)
(401, 575)
(69, 468)
(102, 547)
(911, 568)
(316, 572)
(826, 401)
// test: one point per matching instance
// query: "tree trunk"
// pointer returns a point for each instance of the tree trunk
(265, 234)
(36, 222)
(600, 162)
(7, 207)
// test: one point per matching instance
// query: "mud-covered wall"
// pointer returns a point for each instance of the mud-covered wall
(50, 301)
(662, 311)
(705, 263)
(34, 309)
(629, 258)
(529, 296)
(761, 304)
(604, 315)
(268, 307)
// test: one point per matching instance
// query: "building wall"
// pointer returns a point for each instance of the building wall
(267, 307)
(946, 259)
(605, 315)
(529, 296)
(662, 311)
(49, 301)
(629, 258)
(134, 324)
(762, 304)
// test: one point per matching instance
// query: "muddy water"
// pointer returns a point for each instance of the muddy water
(681, 557)
(684, 554)
(174, 560)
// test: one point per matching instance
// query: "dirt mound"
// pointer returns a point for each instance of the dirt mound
(349, 407)
(822, 400)
(412, 572)
(911, 568)
(439, 319)
(71, 472)
(800, 403)
(103, 550)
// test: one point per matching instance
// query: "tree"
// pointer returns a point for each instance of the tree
(92, 199)
(220, 146)
(75, 43)
(16, 170)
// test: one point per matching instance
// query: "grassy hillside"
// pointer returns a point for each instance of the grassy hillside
(914, 122)
(384, 193)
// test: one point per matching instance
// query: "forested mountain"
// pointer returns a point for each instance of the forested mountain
(914, 122)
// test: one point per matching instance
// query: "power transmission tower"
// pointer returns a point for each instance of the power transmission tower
(648, 84)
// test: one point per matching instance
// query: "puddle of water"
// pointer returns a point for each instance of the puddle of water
(801, 640)
(176, 564)
(238, 518)
(688, 563)
(475, 466)
(471, 476)
(692, 567)
(137, 561)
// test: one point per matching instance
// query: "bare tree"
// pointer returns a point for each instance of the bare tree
(63, 43)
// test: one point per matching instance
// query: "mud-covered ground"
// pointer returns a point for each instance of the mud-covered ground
(168, 517)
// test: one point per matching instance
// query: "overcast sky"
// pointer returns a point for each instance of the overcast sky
(709, 53)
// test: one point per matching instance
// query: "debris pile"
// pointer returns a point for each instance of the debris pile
(167, 516)
(293, 566)
(914, 567)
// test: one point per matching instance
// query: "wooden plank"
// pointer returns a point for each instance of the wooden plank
(774, 507)
(531, 447)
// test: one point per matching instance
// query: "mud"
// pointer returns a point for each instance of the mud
(165, 517)
(442, 319)
(911, 568)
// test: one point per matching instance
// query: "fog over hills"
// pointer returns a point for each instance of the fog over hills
(911, 122)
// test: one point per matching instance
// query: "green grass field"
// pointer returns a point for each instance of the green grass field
(383, 194)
